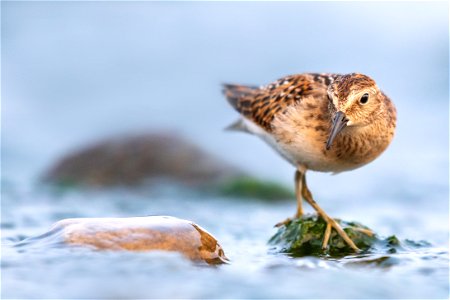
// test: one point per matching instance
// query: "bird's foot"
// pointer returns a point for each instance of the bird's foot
(299, 214)
(331, 223)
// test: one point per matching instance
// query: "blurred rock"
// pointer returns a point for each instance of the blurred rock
(152, 233)
(304, 236)
(137, 159)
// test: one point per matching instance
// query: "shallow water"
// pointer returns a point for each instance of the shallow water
(241, 226)
(77, 72)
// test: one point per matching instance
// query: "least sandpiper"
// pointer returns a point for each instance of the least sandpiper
(320, 122)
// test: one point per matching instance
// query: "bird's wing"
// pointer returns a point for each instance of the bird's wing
(261, 104)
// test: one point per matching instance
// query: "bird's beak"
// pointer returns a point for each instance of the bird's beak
(339, 123)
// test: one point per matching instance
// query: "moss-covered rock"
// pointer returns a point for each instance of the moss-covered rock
(304, 236)
(148, 161)
(136, 160)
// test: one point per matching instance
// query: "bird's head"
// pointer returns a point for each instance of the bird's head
(354, 100)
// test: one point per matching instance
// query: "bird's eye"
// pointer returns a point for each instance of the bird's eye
(364, 98)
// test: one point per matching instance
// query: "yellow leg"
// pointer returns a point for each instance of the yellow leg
(330, 221)
(298, 195)
(326, 236)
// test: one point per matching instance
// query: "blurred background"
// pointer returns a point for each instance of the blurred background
(74, 73)
(77, 72)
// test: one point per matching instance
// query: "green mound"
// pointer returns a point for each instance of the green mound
(250, 187)
(243, 187)
(304, 236)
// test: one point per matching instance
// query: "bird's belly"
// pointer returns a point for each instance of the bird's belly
(315, 157)
(303, 153)
(346, 154)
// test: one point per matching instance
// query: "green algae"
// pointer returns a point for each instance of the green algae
(251, 187)
(304, 237)
(242, 187)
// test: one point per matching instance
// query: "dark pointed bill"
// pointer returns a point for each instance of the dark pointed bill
(339, 123)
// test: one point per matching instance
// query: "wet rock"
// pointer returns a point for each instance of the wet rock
(134, 160)
(152, 233)
(304, 236)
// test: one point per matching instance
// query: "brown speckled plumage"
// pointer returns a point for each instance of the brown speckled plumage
(322, 122)
(304, 105)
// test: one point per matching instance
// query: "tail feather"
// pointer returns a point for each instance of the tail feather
(238, 94)
(238, 125)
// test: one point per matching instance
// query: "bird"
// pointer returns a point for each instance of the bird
(325, 122)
